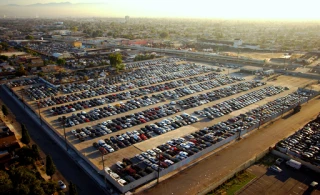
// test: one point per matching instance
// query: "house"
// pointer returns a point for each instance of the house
(237, 43)
(8, 142)
(50, 68)
(77, 44)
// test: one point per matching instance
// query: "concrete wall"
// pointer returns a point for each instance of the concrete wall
(288, 157)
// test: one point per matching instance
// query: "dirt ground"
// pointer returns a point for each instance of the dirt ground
(196, 178)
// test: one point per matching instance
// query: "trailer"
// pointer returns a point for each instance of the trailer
(294, 164)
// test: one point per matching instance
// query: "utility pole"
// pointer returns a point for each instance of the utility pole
(104, 172)
(261, 110)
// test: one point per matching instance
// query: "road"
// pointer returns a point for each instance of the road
(70, 170)
(196, 178)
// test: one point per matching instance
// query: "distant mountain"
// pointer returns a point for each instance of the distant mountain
(41, 4)
(50, 4)
(13, 5)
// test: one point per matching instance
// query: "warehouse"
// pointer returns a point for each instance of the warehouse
(251, 69)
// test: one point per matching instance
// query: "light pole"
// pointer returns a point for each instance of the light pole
(104, 172)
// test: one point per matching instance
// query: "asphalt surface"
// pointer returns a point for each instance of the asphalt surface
(201, 175)
(68, 168)
(289, 181)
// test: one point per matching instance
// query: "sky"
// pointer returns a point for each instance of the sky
(231, 9)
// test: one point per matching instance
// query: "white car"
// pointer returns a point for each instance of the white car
(168, 162)
(62, 185)
(184, 154)
(73, 131)
(138, 156)
(151, 152)
(157, 150)
(186, 146)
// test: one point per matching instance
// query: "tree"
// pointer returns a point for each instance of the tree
(5, 110)
(26, 155)
(35, 150)
(164, 35)
(25, 136)
(115, 59)
(61, 61)
(20, 71)
(4, 58)
(72, 189)
(74, 28)
(120, 67)
(85, 78)
(5, 183)
(41, 74)
(29, 37)
(50, 167)
(49, 187)
(21, 189)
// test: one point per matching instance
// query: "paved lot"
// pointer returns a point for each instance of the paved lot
(199, 179)
(223, 162)
(288, 182)
(95, 157)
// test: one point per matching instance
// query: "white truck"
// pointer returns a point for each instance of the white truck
(294, 164)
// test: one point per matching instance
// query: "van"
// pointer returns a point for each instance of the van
(294, 164)
(101, 142)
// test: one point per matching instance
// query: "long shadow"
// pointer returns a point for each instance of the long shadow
(288, 115)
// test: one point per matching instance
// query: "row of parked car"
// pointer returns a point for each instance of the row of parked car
(23, 82)
(115, 88)
(162, 69)
(218, 110)
(139, 102)
(239, 102)
(149, 114)
(120, 96)
(204, 98)
(304, 143)
(41, 92)
(152, 62)
(175, 150)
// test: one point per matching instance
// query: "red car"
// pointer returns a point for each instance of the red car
(143, 136)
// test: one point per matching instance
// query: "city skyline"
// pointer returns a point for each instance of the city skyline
(230, 9)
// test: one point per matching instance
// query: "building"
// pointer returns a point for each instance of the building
(77, 44)
(127, 18)
(237, 43)
(50, 68)
(8, 142)
(251, 69)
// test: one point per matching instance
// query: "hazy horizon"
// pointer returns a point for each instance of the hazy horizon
(228, 9)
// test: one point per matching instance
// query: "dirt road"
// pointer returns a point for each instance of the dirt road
(210, 170)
